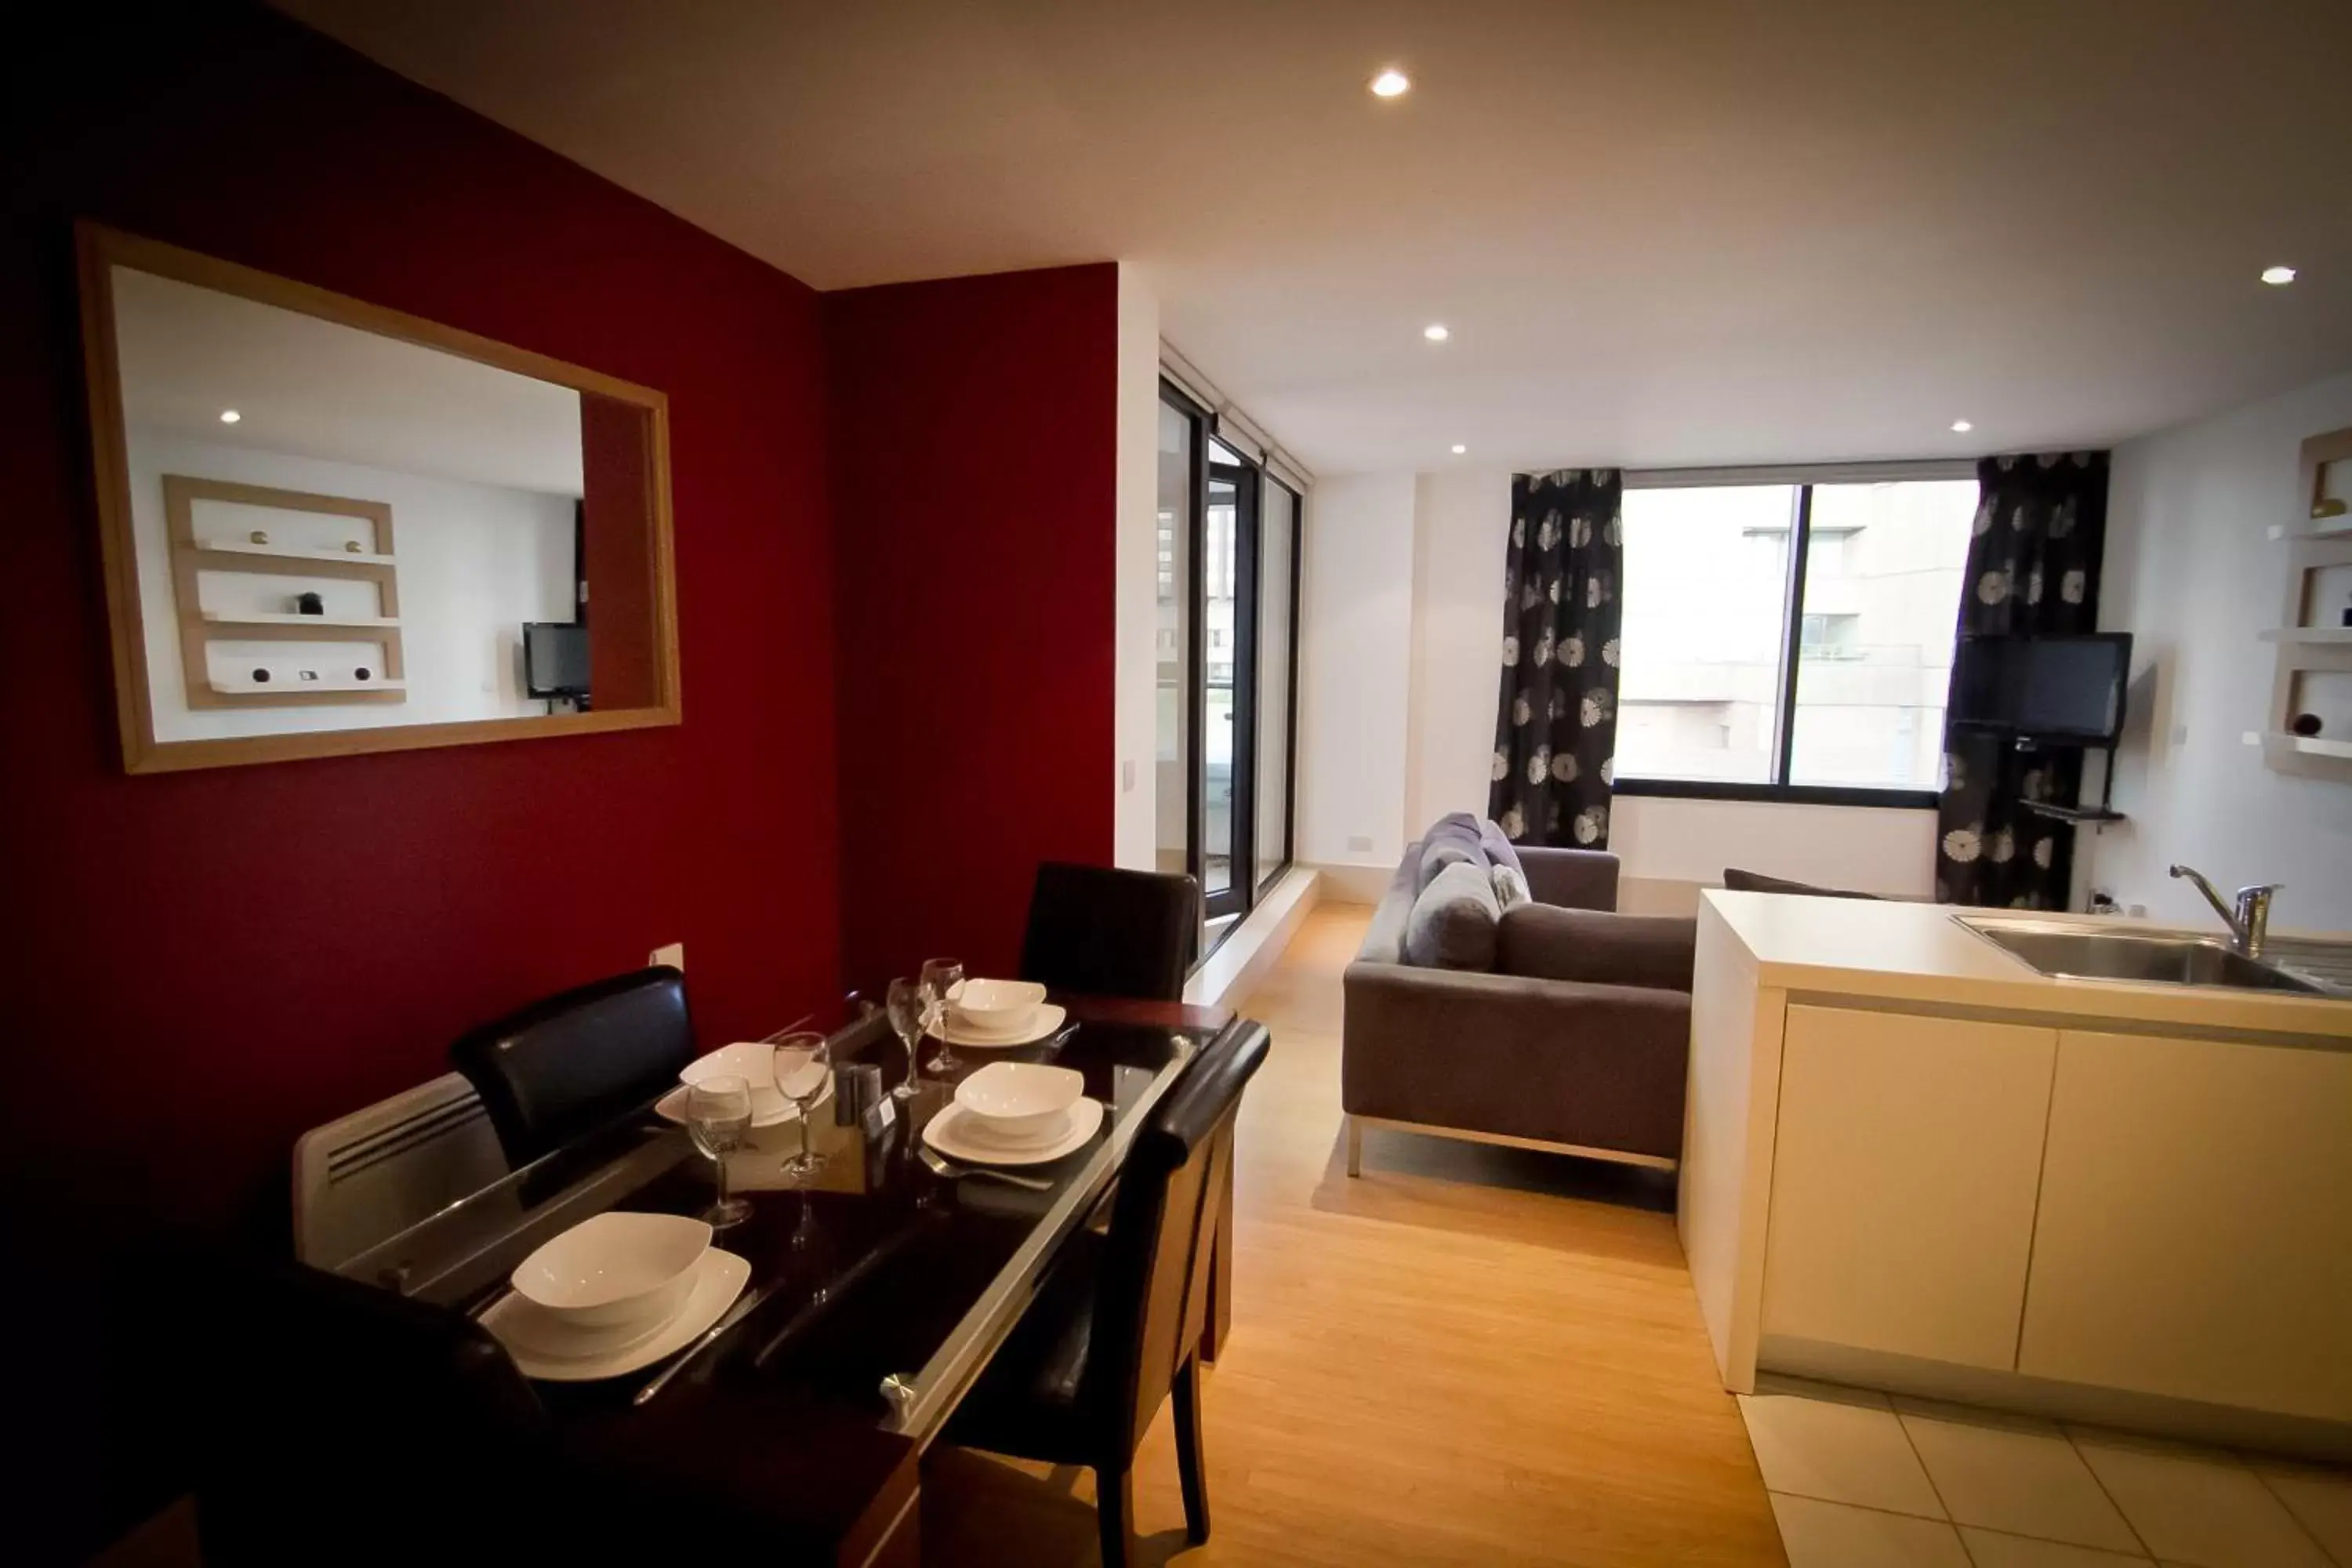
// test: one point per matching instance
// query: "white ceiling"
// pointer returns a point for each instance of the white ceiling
(1673, 232)
(314, 388)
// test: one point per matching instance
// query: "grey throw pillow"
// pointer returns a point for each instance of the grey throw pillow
(1511, 887)
(1452, 923)
(1499, 850)
(1437, 856)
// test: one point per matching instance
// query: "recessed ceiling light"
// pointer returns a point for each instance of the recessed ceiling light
(1392, 83)
(1435, 332)
(1961, 427)
(230, 416)
(1459, 448)
(2278, 277)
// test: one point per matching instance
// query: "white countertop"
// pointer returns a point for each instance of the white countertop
(1919, 953)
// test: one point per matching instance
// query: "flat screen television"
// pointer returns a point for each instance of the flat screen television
(2061, 689)
(556, 658)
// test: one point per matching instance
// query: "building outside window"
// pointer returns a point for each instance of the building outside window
(1715, 690)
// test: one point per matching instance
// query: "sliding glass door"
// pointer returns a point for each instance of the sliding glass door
(1227, 666)
(1276, 587)
(1228, 690)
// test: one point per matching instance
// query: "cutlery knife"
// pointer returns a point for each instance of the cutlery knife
(711, 1336)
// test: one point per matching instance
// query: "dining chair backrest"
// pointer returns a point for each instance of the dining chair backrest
(364, 1178)
(576, 1060)
(1152, 1300)
(1101, 931)
(353, 1422)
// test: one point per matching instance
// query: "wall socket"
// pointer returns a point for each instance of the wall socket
(1360, 844)
(1126, 777)
(674, 955)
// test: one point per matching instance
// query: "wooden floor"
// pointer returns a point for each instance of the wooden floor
(1470, 1356)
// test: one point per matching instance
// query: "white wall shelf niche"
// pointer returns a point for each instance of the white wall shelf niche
(307, 557)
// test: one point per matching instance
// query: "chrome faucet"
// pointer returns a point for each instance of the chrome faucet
(2249, 921)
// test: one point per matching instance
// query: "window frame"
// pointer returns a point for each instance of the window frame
(1803, 478)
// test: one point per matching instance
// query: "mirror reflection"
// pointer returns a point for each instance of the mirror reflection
(333, 529)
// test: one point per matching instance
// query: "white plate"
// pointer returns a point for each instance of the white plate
(1048, 1018)
(771, 1110)
(520, 1326)
(944, 1132)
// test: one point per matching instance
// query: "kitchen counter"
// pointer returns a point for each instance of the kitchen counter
(1918, 953)
(1912, 1160)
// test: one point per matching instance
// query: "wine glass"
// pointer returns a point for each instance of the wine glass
(941, 978)
(911, 1014)
(803, 1065)
(717, 1116)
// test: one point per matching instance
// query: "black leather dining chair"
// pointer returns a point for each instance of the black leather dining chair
(348, 1423)
(577, 1059)
(1107, 933)
(1117, 1327)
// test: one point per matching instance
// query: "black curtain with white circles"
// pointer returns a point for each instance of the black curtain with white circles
(2033, 568)
(1555, 733)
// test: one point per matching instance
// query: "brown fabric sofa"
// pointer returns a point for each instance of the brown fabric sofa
(1571, 1036)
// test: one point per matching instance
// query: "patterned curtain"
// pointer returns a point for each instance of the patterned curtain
(2033, 566)
(1555, 733)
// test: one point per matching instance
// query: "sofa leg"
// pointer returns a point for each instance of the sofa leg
(1355, 1147)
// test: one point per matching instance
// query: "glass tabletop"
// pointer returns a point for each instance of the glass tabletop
(879, 1285)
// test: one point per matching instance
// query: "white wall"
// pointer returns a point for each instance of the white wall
(1135, 574)
(1354, 666)
(1461, 526)
(2191, 572)
(1672, 848)
(1403, 629)
(475, 561)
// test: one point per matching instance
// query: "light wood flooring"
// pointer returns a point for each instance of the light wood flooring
(1470, 1356)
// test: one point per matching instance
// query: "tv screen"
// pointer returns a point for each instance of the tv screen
(2054, 687)
(556, 658)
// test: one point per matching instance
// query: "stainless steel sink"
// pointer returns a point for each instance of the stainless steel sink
(2168, 958)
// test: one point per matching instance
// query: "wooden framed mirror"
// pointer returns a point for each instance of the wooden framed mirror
(331, 528)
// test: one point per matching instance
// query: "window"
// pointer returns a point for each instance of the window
(1791, 639)
(1229, 540)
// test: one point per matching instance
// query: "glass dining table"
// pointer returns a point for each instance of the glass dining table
(878, 1286)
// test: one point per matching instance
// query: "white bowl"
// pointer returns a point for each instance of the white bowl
(616, 1269)
(753, 1061)
(1020, 1099)
(996, 1006)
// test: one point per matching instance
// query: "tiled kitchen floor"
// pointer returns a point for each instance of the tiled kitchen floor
(1861, 1480)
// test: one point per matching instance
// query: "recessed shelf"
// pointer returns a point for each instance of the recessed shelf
(2309, 745)
(2318, 634)
(216, 617)
(304, 688)
(271, 552)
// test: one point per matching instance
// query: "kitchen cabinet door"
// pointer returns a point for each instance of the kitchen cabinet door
(2195, 1237)
(1904, 1170)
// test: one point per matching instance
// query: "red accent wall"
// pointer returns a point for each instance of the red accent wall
(973, 464)
(198, 966)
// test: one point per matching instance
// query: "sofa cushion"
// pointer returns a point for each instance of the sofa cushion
(1739, 882)
(1545, 942)
(1452, 839)
(1453, 921)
